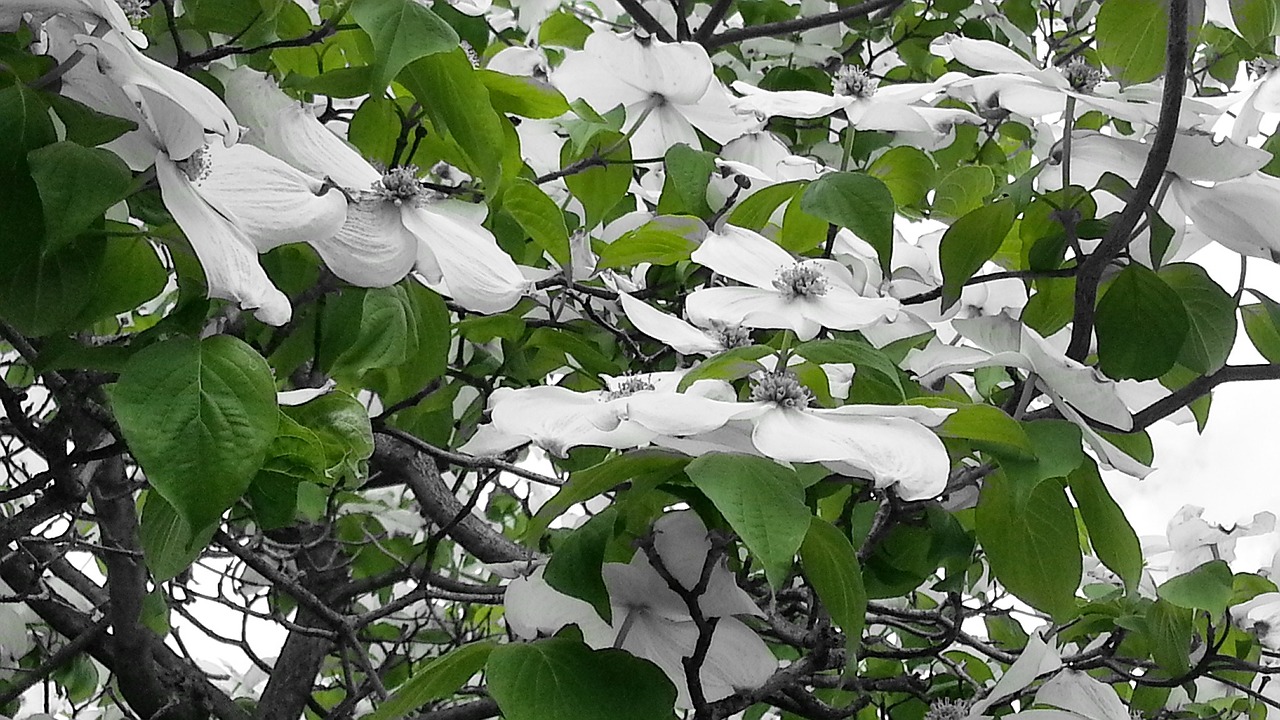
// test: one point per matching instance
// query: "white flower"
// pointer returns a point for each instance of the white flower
(1237, 213)
(91, 11)
(681, 336)
(1192, 541)
(651, 621)
(780, 291)
(1261, 616)
(667, 89)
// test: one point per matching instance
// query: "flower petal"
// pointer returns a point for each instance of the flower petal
(372, 248)
(676, 414)
(1081, 385)
(1237, 213)
(476, 272)
(749, 307)
(229, 259)
(678, 334)
(558, 418)
(989, 56)
(787, 103)
(840, 308)
(743, 255)
(535, 609)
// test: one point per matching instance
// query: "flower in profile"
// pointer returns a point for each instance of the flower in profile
(666, 90)
(1192, 541)
(394, 222)
(779, 291)
(1261, 616)
(119, 16)
(650, 619)
(681, 336)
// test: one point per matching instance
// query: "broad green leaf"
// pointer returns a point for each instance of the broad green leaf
(1131, 39)
(763, 503)
(729, 365)
(558, 678)
(384, 330)
(863, 356)
(342, 424)
(1112, 537)
(83, 124)
(688, 173)
(438, 679)
(77, 184)
(574, 568)
(1262, 324)
(971, 241)
(802, 232)
(43, 291)
(129, 274)
(831, 565)
(342, 82)
(599, 188)
(296, 455)
(1211, 314)
(1169, 630)
(523, 96)
(989, 428)
(563, 29)
(856, 201)
(24, 124)
(1141, 325)
(754, 212)
(1056, 448)
(1032, 544)
(1255, 19)
(907, 172)
(634, 467)
(662, 241)
(169, 545)
(457, 102)
(198, 415)
(1208, 587)
(402, 31)
(539, 217)
(961, 192)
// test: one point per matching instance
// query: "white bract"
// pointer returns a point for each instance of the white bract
(650, 620)
(1192, 541)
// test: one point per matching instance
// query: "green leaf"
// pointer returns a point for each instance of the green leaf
(754, 212)
(688, 174)
(961, 192)
(1169, 631)
(1262, 324)
(729, 365)
(384, 330)
(989, 428)
(523, 96)
(801, 231)
(599, 188)
(831, 565)
(402, 31)
(77, 185)
(1131, 38)
(1032, 543)
(636, 467)
(455, 101)
(1211, 314)
(24, 124)
(574, 568)
(863, 356)
(1141, 325)
(342, 425)
(558, 678)
(856, 201)
(296, 455)
(1112, 537)
(539, 216)
(563, 29)
(42, 292)
(1057, 452)
(438, 679)
(908, 173)
(198, 416)
(169, 545)
(78, 678)
(129, 274)
(1255, 19)
(763, 503)
(83, 124)
(1208, 587)
(971, 241)
(662, 241)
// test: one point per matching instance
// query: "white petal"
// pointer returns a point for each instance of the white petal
(477, 273)
(533, 608)
(663, 128)
(676, 413)
(1081, 385)
(892, 450)
(737, 660)
(372, 248)
(927, 416)
(269, 200)
(749, 307)
(678, 334)
(557, 419)
(989, 56)
(787, 103)
(843, 309)
(1075, 691)
(229, 259)
(743, 255)
(1106, 452)
(1237, 213)
(1196, 156)
(682, 543)
(714, 115)
(887, 116)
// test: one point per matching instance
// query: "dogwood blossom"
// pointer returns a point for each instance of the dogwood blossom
(780, 291)
(96, 12)
(650, 620)
(1192, 541)
(666, 89)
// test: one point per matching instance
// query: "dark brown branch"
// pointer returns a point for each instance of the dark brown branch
(645, 20)
(936, 293)
(474, 710)
(708, 26)
(465, 460)
(1119, 234)
(59, 658)
(1180, 398)
(799, 24)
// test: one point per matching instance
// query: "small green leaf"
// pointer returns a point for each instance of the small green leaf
(729, 365)
(1262, 324)
(989, 428)
(402, 31)
(1255, 19)
(342, 425)
(523, 96)
(77, 184)
(856, 201)
(961, 192)
(383, 336)
(457, 102)
(198, 415)
(296, 455)
(438, 679)
(599, 188)
(662, 241)
(1141, 325)
(1169, 631)
(1131, 38)
(971, 241)
(1112, 537)
(907, 172)
(1211, 313)
(539, 217)
(862, 355)
(558, 678)
(754, 212)
(688, 173)
(1208, 587)
(762, 501)
(169, 545)
(831, 565)
(83, 124)
(639, 466)
(574, 568)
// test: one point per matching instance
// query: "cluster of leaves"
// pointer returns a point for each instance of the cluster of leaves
(332, 473)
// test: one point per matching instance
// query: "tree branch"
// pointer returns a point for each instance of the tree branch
(1118, 235)
(645, 20)
(1180, 398)
(800, 24)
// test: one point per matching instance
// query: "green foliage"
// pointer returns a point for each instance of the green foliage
(856, 201)
(1142, 325)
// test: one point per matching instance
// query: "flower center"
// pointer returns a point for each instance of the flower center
(947, 710)
(801, 279)
(628, 386)
(399, 184)
(135, 10)
(729, 336)
(198, 166)
(854, 82)
(782, 388)
(1082, 76)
